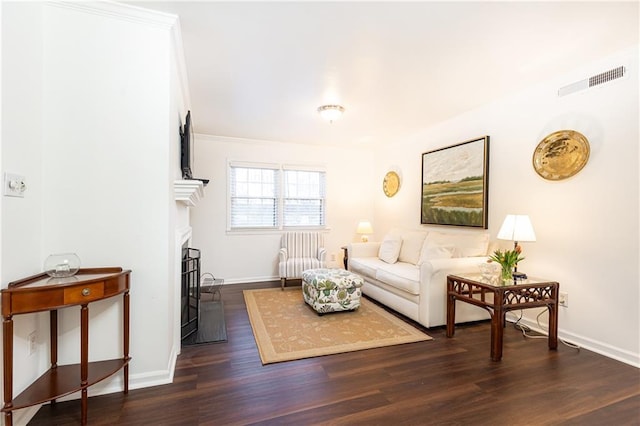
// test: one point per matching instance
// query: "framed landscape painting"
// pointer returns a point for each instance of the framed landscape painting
(455, 185)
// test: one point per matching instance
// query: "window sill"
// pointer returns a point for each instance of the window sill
(259, 231)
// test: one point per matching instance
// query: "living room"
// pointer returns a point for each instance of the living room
(100, 175)
(568, 215)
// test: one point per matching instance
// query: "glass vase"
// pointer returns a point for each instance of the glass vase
(62, 265)
(507, 274)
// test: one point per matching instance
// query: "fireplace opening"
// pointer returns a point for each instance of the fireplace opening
(190, 292)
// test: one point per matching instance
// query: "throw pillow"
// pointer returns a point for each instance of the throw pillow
(411, 245)
(390, 248)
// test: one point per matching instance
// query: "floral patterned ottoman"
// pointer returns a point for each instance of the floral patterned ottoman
(331, 290)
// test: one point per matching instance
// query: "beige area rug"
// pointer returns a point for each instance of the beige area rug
(286, 328)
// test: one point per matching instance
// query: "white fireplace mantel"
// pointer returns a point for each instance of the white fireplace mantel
(189, 191)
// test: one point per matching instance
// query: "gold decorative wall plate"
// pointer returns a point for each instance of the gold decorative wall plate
(391, 184)
(560, 155)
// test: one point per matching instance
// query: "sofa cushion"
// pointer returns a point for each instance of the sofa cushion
(403, 276)
(432, 251)
(366, 266)
(466, 245)
(390, 248)
(412, 243)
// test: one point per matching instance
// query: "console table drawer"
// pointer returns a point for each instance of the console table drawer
(83, 294)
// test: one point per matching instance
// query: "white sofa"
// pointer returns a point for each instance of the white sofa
(408, 271)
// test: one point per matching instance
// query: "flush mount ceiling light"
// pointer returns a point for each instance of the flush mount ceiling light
(331, 112)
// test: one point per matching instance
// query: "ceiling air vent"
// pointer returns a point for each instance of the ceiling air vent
(592, 81)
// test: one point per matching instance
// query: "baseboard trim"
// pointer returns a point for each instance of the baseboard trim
(24, 416)
(250, 280)
(600, 348)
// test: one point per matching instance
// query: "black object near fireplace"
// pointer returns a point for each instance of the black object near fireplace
(190, 292)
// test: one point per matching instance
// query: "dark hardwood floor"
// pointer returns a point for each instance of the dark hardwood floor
(439, 382)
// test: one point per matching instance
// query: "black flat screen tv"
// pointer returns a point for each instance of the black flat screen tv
(186, 139)
(186, 150)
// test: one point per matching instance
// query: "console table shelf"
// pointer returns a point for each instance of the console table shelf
(65, 380)
(41, 293)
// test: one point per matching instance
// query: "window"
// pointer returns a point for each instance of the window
(303, 198)
(264, 196)
(254, 197)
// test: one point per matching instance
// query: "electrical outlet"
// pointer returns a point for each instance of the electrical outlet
(563, 299)
(32, 342)
(333, 257)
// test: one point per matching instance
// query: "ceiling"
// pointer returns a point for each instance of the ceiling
(260, 70)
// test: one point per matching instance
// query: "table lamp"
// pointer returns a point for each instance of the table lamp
(364, 228)
(517, 227)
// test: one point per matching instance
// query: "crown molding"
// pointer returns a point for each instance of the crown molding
(121, 11)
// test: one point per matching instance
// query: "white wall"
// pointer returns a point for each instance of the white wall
(253, 256)
(586, 226)
(22, 131)
(111, 125)
(94, 100)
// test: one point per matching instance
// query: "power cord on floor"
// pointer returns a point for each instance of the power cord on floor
(526, 329)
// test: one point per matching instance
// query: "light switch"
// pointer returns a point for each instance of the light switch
(14, 185)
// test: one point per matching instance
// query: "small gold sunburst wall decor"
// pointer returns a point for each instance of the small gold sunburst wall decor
(391, 184)
(561, 155)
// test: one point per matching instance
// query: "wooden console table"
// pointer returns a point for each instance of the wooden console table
(42, 293)
(530, 293)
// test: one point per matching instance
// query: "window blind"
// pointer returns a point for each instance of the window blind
(254, 193)
(304, 198)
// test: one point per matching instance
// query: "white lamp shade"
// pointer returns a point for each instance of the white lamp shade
(364, 227)
(517, 227)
